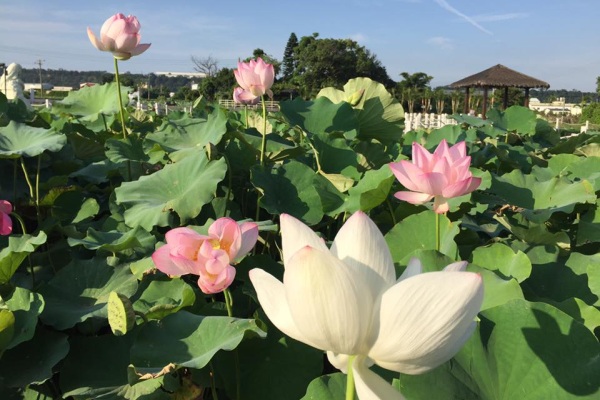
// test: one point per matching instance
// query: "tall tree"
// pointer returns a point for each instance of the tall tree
(289, 62)
(207, 65)
(332, 62)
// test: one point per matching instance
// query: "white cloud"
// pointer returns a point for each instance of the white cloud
(441, 42)
(444, 4)
(499, 17)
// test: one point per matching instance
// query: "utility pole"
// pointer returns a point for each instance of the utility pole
(39, 62)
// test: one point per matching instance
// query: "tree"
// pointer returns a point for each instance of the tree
(440, 98)
(289, 62)
(207, 65)
(418, 81)
(220, 85)
(332, 62)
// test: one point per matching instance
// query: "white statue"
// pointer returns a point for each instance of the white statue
(11, 85)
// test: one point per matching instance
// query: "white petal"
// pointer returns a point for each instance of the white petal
(413, 268)
(360, 244)
(271, 296)
(426, 319)
(295, 235)
(370, 386)
(457, 266)
(340, 361)
(327, 302)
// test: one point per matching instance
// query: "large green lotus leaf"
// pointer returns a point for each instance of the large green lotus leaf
(289, 189)
(17, 250)
(541, 199)
(246, 150)
(293, 363)
(335, 156)
(379, 114)
(32, 362)
(501, 258)
(183, 187)
(514, 119)
(589, 226)
(72, 207)
(80, 291)
(97, 172)
(327, 387)
(320, 115)
(579, 310)
(18, 140)
(26, 306)
(452, 133)
(522, 350)
(161, 298)
(532, 351)
(179, 137)
(97, 368)
(187, 340)
(417, 232)
(571, 166)
(126, 149)
(112, 241)
(90, 103)
(7, 329)
(372, 190)
(593, 273)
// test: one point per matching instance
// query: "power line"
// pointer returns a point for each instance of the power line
(39, 62)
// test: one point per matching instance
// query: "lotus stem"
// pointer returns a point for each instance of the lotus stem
(437, 232)
(350, 379)
(263, 146)
(122, 112)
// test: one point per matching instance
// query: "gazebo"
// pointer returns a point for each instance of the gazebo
(498, 76)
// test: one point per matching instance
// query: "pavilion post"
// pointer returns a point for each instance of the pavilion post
(485, 99)
(527, 97)
(505, 100)
(466, 108)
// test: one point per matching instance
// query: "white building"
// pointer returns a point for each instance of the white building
(556, 107)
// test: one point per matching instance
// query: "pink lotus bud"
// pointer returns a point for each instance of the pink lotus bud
(5, 220)
(439, 176)
(119, 35)
(215, 272)
(242, 96)
(234, 238)
(256, 77)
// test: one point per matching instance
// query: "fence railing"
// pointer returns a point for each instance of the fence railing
(232, 105)
(415, 121)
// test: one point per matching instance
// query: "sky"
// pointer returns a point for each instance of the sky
(557, 41)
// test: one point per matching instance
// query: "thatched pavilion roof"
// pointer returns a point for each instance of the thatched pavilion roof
(500, 76)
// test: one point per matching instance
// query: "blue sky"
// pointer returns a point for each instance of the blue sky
(557, 41)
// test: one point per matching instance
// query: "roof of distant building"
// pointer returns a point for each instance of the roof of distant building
(186, 74)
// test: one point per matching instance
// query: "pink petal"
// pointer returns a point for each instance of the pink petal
(407, 174)
(97, 43)
(421, 157)
(162, 259)
(440, 205)
(6, 224)
(228, 233)
(140, 48)
(413, 197)
(5, 207)
(249, 237)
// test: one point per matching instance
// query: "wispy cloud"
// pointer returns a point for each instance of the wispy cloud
(444, 4)
(499, 17)
(441, 42)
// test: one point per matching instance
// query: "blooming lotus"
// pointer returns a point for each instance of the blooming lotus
(242, 96)
(5, 221)
(347, 302)
(255, 77)
(440, 176)
(209, 256)
(119, 35)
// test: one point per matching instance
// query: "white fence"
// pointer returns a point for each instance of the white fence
(415, 121)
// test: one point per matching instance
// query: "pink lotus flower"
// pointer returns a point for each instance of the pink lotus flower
(209, 256)
(255, 77)
(242, 96)
(5, 221)
(440, 176)
(119, 35)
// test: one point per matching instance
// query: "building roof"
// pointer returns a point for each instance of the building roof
(500, 76)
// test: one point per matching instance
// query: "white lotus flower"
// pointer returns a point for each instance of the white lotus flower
(346, 301)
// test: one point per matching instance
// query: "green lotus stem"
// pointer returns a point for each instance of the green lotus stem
(142, 316)
(37, 181)
(121, 112)
(228, 302)
(392, 214)
(15, 184)
(213, 388)
(350, 379)
(437, 232)
(27, 178)
(21, 222)
(229, 305)
(263, 146)
(246, 114)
